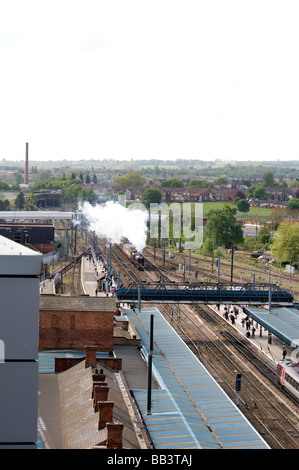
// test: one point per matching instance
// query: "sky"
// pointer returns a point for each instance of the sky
(136, 79)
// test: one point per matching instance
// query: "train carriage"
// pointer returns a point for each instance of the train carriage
(287, 373)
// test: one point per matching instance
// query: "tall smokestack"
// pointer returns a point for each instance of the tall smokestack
(26, 165)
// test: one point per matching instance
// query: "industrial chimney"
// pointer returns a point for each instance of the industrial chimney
(26, 165)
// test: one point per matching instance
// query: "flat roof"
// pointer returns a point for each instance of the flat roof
(70, 303)
(283, 322)
(25, 224)
(191, 410)
(17, 259)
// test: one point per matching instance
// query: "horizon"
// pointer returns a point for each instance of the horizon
(153, 160)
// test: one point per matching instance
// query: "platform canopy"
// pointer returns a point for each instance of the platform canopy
(283, 322)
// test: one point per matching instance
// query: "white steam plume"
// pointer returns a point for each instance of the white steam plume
(115, 222)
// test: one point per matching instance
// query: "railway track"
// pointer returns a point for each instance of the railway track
(203, 266)
(223, 354)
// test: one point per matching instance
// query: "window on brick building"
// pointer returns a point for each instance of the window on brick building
(73, 322)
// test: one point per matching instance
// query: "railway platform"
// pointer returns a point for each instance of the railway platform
(189, 410)
(92, 273)
(260, 339)
(47, 287)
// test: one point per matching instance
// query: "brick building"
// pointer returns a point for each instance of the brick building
(38, 237)
(75, 322)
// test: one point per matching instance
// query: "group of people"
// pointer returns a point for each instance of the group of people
(232, 316)
(246, 321)
(109, 285)
(248, 324)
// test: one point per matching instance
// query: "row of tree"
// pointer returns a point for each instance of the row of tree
(222, 229)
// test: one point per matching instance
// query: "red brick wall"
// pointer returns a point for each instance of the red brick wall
(64, 363)
(60, 329)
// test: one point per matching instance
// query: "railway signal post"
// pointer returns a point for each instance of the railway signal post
(238, 386)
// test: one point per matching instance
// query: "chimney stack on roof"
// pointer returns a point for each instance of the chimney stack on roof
(115, 436)
(98, 376)
(105, 409)
(90, 356)
(96, 382)
(100, 394)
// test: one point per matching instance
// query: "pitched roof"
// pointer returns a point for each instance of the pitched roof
(79, 421)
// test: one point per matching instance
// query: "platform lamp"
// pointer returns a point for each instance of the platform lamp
(149, 369)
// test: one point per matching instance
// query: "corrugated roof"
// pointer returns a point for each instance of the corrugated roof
(283, 322)
(191, 410)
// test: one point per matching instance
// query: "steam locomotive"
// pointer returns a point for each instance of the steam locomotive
(134, 256)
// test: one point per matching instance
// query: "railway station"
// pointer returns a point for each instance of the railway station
(185, 407)
(273, 350)
(189, 410)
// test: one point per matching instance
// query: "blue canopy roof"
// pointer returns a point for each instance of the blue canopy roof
(190, 410)
(283, 322)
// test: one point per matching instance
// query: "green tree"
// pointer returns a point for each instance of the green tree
(31, 203)
(4, 205)
(151, 195)
(257, 191)
(194, 184)
(243, 205)
(17, 177)
(131, 180)
(20, 201)
(172, 183)
(293, 184)
(4, 186)
(200, 184)
(43, 175)
(293, 204)
(246, 182)
(222, 227)
(285, 246)
(221, 180)
(87, 179)
(269, 180)
(264, 235)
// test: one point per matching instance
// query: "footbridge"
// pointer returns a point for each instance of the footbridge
(205, 293)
